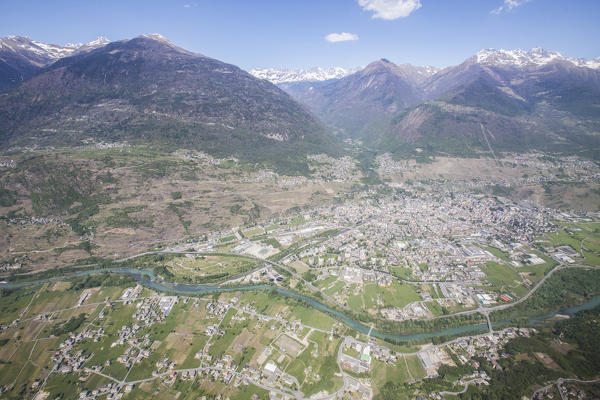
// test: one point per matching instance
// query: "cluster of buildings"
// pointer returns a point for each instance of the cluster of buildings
(198, 156)
(147, 311)
(8, 163)
(554, 169)
(414, 310)
(488, 346)
(333, 169)
(131, 294)
(110, 390)
(356, 355)
(67, 359)
(8, 267)
(267, 274)
(360, 275)
(566, 391)
(36, 221)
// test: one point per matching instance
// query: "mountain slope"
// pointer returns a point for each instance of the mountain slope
(362, 104)
(511, 100)
(147, 89)
(506, 100)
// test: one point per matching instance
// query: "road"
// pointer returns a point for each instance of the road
(559, 382)
(467, 383)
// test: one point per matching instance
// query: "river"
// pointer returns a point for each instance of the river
(147, 278)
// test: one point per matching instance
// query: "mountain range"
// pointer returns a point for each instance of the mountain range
(508, 101)
(148, 90)
(503, 99)
(363, 103)
(316, 74)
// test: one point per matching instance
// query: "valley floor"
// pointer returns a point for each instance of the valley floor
(435, 280)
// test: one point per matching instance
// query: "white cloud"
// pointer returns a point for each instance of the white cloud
(509, 5)
(341, 37)
(390, 9)
(187, 6)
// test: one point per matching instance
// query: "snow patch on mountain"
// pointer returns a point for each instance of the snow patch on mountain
(156, 36)
(51, 50)
(276, 76)
(427, 70)
(23, 45)
(533, 58)
(99, 42)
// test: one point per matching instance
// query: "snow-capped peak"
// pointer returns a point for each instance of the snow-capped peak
(533, 58)
(44, 51)
(100, 41)
(156, 36)
(275, 75)
(427, 70)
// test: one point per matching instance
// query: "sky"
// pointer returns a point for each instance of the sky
(308, 33)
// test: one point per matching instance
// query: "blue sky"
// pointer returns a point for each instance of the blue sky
(291, 33)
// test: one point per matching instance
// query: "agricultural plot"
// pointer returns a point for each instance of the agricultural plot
(179, 338)
(289, 345)
(300, 267)
(373, 297)
(318, 377)
(253, 231)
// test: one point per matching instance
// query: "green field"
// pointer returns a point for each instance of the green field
(583, 237)
(498, 253)
(227, 238)
(326, 282)
(396, 295)
(402, 273)
(399, 295)
(206, 269)
(253, 232)
(383, 373)
(501, 276)
(339, 285)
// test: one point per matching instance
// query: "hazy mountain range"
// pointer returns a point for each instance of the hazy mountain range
(147, 89)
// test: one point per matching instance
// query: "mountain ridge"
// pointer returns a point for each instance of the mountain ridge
(535, 98)
(107, 89)
(148, 89)
(21, 57)
(315, 74)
